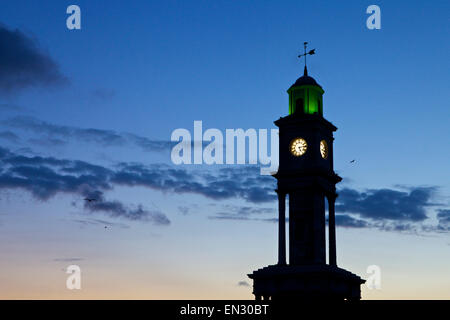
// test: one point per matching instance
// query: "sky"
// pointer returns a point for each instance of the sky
(89, 113)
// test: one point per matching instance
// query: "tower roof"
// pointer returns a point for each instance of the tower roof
(306, 80)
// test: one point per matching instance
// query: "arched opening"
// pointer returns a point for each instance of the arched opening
(299, 106)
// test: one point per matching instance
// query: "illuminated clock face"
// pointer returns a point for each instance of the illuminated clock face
(298, 147)
(323, 149)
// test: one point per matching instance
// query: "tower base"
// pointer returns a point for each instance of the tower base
(305, 282)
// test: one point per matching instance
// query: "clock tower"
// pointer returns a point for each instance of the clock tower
(306, 177)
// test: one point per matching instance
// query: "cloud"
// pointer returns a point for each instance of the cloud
(50, 133)
(229, 217)
(346, 221)
(47, 142)
(99, 222)
(243, 284)
(149, 145)
(443, 216)
(184, 210)
(102, 137)
(46, 133)
(233, 212)
(385, 209)
(68, 259)
(45, 177)
(242, 182)
(9, 136)
(272, 220)
(117, 209)
(382, 204)
(401, 227)
(23, 64)
(9, 107)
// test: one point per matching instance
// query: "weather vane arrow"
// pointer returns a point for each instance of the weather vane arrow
(310, 52)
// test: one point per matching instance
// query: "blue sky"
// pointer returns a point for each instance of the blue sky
(137, 71)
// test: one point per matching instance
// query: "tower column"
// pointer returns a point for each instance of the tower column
(332, 230)
(281, 227)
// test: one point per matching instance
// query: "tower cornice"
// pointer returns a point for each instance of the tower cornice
(304, 119)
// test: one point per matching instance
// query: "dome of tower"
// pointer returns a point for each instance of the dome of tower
(305, 80)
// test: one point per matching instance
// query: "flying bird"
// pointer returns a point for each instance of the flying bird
(352, 161)
(90, 199)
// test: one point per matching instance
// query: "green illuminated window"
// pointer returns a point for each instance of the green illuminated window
(306, 99)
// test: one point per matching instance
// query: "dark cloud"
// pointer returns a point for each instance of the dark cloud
(243, 284)
(245, 210)
(9, 136)
(117, 209)
(49, 133)
(187, 208)
(68, 259)
(184, 210)
(103, 137)
(388, 204)
(44, 177)
(233, 212)
(43, 181)
(229, 217)
(238, 218)
(148, 144)
(346, 221)
(443, 216)
(349, 221)
(386, 209)
(100, 223)
(9, 107)
(401, 227)
(242, 182)
(24, 64)
(272, 220)
(47, 142)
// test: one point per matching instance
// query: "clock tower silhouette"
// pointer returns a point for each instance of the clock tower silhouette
(306, 176)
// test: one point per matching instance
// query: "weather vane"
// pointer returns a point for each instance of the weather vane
(310, 52)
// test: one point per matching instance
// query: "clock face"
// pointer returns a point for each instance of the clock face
(323, 149)
(298, 147)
